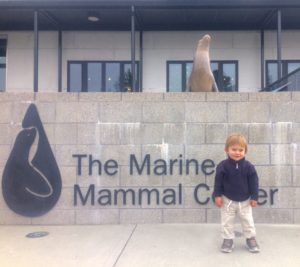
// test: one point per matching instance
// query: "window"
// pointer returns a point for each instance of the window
(287, 67)
(3, 43)
(225, 73)
(100, 76)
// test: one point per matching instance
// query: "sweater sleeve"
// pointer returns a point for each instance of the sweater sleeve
(253, 183)
(218, 187)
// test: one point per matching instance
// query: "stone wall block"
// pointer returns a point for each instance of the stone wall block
(295, 96)
(173, 133)
(296, 196)
(66, 134)
(68, 175)
(283, 154)
(190, 96)
(101, 216)
(194, 133)
(260, 133)
(274, 175)
(295, 133)
(131, 133)
(296, 175)
(134, 216)
(296, 111)
(202, 152)
(205, 112)
(249, 112)
(108, 133)
(152, 133)
(5, 134)
(216, 133)
(88, 134)
(227, 96)
(282, 133)
(282, 111)
(87, 112)
(4, 154)
(9, 217)
(184, 216)
(265, 215)
(66, 112)
(166, 112)
(120, 112)
(99, 96)
(297, 216)
(213, 215)
(270, 97)
(258, 154)
(144, 97)
(56, 217)
(242, 128)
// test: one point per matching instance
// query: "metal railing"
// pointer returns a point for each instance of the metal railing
(290, 82)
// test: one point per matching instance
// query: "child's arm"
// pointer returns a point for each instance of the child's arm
(218, 188)
(253, 184)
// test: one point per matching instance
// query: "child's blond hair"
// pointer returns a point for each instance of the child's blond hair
(236, 139)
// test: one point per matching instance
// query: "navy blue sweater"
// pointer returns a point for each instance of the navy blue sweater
(237, 180)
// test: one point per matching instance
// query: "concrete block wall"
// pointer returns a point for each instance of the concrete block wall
(166, 126)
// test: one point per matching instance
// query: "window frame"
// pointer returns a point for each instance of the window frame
(183, 71)
(3, 45)
(284, 64)
(84, 73)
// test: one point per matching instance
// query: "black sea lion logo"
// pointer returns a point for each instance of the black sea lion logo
(31, 182)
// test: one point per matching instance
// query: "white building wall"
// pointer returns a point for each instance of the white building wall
(159, 47)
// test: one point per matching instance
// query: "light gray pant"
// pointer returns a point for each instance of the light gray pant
(229, 211)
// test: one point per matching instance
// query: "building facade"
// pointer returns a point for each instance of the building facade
(88, 45)
(77, 148)
(238, 50)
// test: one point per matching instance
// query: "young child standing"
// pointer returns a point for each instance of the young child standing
(236, 192)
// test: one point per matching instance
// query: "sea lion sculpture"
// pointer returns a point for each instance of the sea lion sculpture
(202, 78)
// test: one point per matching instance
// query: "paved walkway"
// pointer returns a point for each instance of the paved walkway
(167, 245)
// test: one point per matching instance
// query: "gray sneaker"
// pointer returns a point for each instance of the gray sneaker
(252, 245)
(227, 246)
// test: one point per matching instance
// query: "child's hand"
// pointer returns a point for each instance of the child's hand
(253, 203)
(219, 202)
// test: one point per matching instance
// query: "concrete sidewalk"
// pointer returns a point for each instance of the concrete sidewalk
(184, 245)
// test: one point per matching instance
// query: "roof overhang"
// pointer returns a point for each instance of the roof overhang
(150, 15)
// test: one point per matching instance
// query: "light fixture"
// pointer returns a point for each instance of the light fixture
(93, 17)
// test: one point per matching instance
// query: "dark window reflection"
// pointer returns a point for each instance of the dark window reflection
(94, 77)
(86, 76)
(112, 77)
(229, 78)
(75, 77)
(272, 73)
(175, 78)
(3, 43)
(127, 78)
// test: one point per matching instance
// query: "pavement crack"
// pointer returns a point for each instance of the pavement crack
(123, 249)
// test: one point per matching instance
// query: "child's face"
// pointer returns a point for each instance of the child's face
(236, 152)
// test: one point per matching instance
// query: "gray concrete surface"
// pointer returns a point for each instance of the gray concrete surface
(154, 245)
